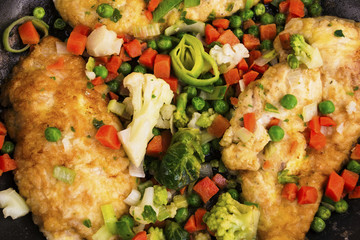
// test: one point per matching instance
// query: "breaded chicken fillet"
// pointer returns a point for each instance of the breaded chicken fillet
(260, 160)
(133, 12)
(38, 98)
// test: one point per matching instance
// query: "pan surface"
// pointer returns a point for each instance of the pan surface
(340, 226)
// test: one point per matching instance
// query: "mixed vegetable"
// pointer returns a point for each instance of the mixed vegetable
(175, 95)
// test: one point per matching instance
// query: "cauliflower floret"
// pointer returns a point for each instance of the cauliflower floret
(103, 42)
(145, 212)
(13, 204)
(148, 94)
(156, 234)
(229, 55)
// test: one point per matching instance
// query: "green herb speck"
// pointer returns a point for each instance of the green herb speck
(339, 33)
(230, 7)
(53, 78)
(72, 129)
(87, 223)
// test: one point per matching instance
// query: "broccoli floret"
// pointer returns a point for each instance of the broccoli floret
(180, 117)
(306, 54)
(174, 231)
(156, 234)
(145, 212)
(229, 219)
(284, 177)
(206, 118)
(160, 195)
(181, 163)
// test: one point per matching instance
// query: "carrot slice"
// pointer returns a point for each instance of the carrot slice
(232, 76)
(173, 83)
(211, 34)
(296, 8)
(355, 193)
(285, 41)
(82, 29)
(228, 37)
(76, 43)
(159, 144)
(242, 65)
(114, 64)
(268, 32)
(250, 121)
(350, 180)
(261, 69)
(307, 195)
(254, 54)
(317, 140)
(356, 153)
(153, 4)
(335, 187)
(182, 191)
(199, 223)
(140, 236)
(234, 101)
(206, 189)
(3, 130)
(2, 140)
(147, 58)
(249, 77)
(6, 163)
(314, 124)
(133, 48)
(251, 42)
(327, 121)
(190, 225)
(273, 122)
(162, 66)
(28, 33)
(107, 136)
(219, 180)
(284, 6)
(58, 65)
(248, 23)
(113, 96)
(97, 81)
(218, 126)
(221, 23)
(289, 191)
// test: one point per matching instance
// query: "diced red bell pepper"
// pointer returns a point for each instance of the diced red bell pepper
(107, 136)
(190, 225)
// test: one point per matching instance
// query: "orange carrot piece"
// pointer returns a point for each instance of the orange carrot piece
(350, 180)
(248, 23)
(206, 189)
(190, 225)
(356, 153)
(242, 65)
(219, 180)
(113, 96)
(97, 81)
(147, 58)
(267, 164)
(289, 191)
(254, 54)
(28, 33)
(261, 69)
(221, 23)
(268, 32)
(251, 42)
(327, 121)
(273, 122)
(82, 29)
(107, 136)
(133, 48)
(249, 77)
(173, 83)
(317, 140)
(234, 101)
(140, 236)
(76, 43)
(155, 148)
(285, 41)
(314, 124)
(6, 163)
(228, 37)
(2, 140)
(218, 126)
(355, 193)
(114, 64)
(148, 15)
(334, 187)
(58, 65)
(211, 34)
(162, 66)
(199, 223)
(307, 195)
(3, 130)
(232, 76)
(284, 6)
(250, 121)
(296, 8)
(153, 4)
(182, 191)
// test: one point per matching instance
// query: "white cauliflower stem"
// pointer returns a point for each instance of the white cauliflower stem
(14, 205)
(148, 94)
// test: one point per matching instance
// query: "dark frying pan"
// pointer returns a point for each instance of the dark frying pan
(344, 226)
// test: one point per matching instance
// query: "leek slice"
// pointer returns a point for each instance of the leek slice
(64, 174)
(116, 107)
(191, 3)
(163, 8)
(109, 217)
(37, 23)
(102, 234)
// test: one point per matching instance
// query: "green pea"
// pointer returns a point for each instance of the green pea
(326, 107)
(341, 206)
(254, 30)
(156, 132)
(39, 12)
(181, 215)
(246, 14)
(280, 19)
(318, 225)
(288, 101)
(101, 71)
(59, 24)
(221, 106)
(152, 44)
(279, 29)
(164, 43)
(52, 134)
(276, 133)
(292, 61)
(259, 9)
(238, 33)
(235, 21)
(105, 10)
(8, 147)
(315, 10)
(323, 213)
(234, 194)
(113, 85)
(266, 45)
(198, 103)
(191, 91)
(216, 144)
(354, 166)
(140, 69)
(190, 110)
(206, 148)
(125, 68)
(267, 18)
(194, 200)
(307, 3)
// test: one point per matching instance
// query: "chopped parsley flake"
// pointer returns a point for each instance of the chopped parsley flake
(88, 136)
(301, 116)
(87, 13)
(53, 78)
(230, 7)
(186, 20)
(261, 86)
(355, 88)
(153, 96)
(97, 123)
(250, 105)
(72, 129)
(286, 120)
(350, 93)
(339, 33)
(242, 119)
(89, 85)
(42, 89)
(116, 16)
(271, 108)
(103, 96)
(212, 15)
(87, 223)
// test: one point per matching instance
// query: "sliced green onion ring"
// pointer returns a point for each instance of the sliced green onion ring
(37, 23)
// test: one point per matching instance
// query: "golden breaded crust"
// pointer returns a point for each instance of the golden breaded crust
(38, 98)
